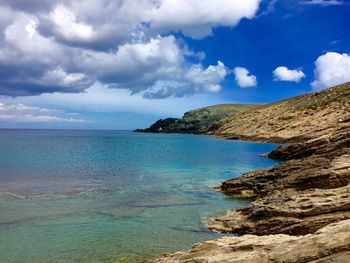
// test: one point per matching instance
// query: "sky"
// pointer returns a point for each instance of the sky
(123, 64)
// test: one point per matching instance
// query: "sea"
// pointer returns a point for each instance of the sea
(113, 196)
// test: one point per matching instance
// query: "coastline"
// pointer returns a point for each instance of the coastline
(300, 205)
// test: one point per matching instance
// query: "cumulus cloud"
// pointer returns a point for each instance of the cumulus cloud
(58, 76)
(323, 2)
(133, 64)
(284, 74)
(196, 79)
(155, 67)
(66, 46)
(118, 17)
(331, 69)
(18, 112)
(208, 78)
(22, 38)
(243, 78)
(199, 17)
(66, 24)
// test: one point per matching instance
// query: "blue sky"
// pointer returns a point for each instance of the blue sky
(124, 64)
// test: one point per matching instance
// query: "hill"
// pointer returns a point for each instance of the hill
(295, 119)
(198, 121)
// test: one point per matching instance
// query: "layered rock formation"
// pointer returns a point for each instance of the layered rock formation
(309, 190)
(197, 121)
(330, 244)
(293, 203)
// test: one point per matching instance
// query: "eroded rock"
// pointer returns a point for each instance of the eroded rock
(296, 197)
(329, 244)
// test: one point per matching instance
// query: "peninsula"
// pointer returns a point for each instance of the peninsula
(300, 209)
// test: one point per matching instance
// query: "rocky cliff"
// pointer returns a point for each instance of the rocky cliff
(311, 188)
(197, 121)
(298, 206)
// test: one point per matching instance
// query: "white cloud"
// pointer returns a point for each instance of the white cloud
(23, 44)
(284, 74)
(199, 17)
(59, 77)
(66, 24)
(132, 62)
(22, 34)
(243, 78)
(196, 79)
(20, 113)
(209, 78)
(120, 20)
(110, 22)
(66, 45)
(331, 69)
(156, 66)
(323, 2)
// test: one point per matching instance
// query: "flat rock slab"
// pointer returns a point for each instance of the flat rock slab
(329, 244)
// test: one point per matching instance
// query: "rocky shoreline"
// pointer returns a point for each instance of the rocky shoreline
(330, 244)
(300, 210)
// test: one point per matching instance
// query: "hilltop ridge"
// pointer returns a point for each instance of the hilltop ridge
(198, 121)
(295, 119)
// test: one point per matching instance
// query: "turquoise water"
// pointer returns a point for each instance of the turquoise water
(112, 196)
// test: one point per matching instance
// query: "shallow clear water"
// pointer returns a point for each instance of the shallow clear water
(112, 196)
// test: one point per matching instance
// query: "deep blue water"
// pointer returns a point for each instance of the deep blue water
(112, 196)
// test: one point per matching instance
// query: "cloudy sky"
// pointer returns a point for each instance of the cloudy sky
(122, 64)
